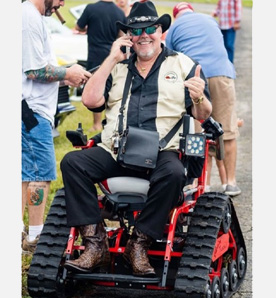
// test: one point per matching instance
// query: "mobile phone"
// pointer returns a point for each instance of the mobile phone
(127, 49)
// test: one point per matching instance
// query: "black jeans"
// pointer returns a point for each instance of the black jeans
(82, 169)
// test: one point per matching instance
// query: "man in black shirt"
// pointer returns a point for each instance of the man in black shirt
(98, 20)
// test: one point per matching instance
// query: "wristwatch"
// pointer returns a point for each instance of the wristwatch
(199, 100)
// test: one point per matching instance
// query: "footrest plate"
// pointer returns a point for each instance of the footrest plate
(116, 278)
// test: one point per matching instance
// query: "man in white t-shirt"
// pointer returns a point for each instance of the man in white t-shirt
(40, 82)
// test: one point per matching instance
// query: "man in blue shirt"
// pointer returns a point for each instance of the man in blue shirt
(198, 36)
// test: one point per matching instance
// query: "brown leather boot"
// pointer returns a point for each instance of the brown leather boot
(136, 254)
(96, 252)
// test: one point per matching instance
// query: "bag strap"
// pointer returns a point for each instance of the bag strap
(122, 108)
(163, 142)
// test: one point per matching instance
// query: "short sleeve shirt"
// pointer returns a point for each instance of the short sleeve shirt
(198, 36)
(36, 54)
(100, 19)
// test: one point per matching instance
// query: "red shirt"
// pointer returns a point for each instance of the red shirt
(228, 12)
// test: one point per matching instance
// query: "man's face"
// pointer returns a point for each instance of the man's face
(52, 5)
(147, 45)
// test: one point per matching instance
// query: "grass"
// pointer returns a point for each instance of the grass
(81, 115)
(70, 20)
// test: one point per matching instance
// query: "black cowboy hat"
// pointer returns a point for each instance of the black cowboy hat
(143, 15)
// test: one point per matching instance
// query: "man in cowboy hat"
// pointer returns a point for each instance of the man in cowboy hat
(165, 85)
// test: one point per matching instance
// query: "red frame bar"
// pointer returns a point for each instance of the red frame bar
(171, 229)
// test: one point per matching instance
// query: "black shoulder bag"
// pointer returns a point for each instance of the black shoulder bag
(138, 148)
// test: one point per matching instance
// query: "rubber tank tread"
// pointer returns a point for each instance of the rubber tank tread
(193, 272)
(44, 268)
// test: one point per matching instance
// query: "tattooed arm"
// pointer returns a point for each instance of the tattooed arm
(74, 75)
(47, 74)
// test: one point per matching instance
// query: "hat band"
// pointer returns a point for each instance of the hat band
(142, 19)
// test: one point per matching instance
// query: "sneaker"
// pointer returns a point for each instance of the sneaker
(223, 187)
(28, 247)
(232, 190)
(207, 188)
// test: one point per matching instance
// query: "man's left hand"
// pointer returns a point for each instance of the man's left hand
(195, 84)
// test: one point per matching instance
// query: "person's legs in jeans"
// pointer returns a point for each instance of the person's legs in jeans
(38, 170)
(229, 37)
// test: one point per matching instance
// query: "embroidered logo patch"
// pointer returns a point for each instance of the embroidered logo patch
(171, 77)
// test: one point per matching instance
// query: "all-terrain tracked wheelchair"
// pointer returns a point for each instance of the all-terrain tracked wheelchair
(202, 252)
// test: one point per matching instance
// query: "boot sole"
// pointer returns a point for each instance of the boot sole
(75, 268)
(128, 266)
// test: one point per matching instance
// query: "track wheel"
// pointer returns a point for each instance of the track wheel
(241, 262)
(226, 220)
(208, 291)
(215, 288)
(233, 275)
(224, 283)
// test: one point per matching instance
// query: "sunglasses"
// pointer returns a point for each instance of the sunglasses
(139, 31)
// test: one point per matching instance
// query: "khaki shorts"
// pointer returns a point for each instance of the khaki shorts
(223, 97)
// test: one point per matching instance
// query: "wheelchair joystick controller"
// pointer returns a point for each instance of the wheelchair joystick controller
(77, 137)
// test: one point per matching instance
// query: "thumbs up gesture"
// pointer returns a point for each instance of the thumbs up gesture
(195, 84)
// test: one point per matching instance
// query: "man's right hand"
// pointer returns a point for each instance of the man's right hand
(76, 75)
(116, 53)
